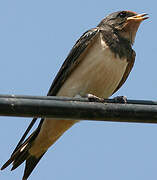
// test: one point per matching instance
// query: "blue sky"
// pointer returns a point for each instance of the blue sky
(35, 38)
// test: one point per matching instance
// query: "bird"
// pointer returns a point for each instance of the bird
(98, 64)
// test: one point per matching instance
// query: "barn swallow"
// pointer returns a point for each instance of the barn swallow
(99, 64)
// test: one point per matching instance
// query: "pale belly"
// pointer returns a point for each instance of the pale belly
(99, 74)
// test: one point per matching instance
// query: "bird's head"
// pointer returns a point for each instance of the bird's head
(125, 23)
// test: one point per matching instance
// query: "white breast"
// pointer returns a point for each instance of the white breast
(99, 73)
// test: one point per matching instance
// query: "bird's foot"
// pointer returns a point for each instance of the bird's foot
(120, 99)
(93, 98)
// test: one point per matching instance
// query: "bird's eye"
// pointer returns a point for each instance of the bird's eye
(122, 14)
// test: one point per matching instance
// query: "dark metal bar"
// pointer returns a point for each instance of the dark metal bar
(57, 98)
(78, 108)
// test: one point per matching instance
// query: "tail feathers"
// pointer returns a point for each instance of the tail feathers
(20, 159)
(31, 163)
(22, 154)
(17, 158)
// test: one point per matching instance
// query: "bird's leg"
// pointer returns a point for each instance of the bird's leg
(91, 98)
(120, 99)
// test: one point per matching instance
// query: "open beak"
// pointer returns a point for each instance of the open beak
(138, 17)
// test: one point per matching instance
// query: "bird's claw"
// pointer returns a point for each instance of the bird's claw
(93, 98)
(120, 99)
